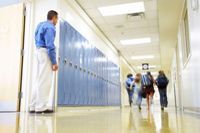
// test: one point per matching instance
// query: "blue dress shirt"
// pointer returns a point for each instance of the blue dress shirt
(44, 37)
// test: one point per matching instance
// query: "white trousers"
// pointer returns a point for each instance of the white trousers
(42, 96)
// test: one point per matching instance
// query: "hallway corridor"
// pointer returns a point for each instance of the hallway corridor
(76, 66)
(101, 120)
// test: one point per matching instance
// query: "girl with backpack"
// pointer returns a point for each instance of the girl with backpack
(162, 83)
(148, 87)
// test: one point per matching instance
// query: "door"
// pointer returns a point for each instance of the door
(11, 44)
(178, 80)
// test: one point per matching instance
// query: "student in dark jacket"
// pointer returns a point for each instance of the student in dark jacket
(162, 82)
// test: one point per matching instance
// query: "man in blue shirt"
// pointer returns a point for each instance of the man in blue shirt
(45, 61)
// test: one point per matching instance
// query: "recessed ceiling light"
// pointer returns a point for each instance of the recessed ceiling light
(143, 57)
(136, 41)
(135, 7)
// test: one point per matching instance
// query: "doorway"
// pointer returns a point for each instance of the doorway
(11, 57)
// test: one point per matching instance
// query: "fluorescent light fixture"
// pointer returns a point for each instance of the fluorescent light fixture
(143, 57)
(122, 9)
(136, 41)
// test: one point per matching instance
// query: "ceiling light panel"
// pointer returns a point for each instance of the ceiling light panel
(122, 9)
(143, 57)
(136, 41)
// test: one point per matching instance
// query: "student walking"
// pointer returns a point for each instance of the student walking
(138, 90)
(148, 87)
(129, 88)
(162, 82)
(45, 61)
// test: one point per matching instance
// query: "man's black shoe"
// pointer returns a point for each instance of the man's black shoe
(45, 112)
(32, 111)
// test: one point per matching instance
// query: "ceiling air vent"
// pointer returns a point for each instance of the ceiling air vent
(136, 16)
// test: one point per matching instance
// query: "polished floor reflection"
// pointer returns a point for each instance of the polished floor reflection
(101, 120)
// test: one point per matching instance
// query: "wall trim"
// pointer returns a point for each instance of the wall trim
(193, 110)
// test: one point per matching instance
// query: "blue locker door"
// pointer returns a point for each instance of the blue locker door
(72, 74)
(89, 89)
(87, 49)
(61, 95)
(103, 88)
(82, 77)
(92, 77)
(87, 66)
(105, 93)
(92, 90)
(78, 78)
(90, 81)
(109, 94)
(76, 59)
(113, 95)
(67, 54)
(97, 80)
(104, 78)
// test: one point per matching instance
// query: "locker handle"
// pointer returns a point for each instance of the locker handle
(84, 70)
(80, 69)
(59, 59)
(76, 66)
(70, 63)
(65, 61)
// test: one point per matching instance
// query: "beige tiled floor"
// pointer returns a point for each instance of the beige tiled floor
(101, 120)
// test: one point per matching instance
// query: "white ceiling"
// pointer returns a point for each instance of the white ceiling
(118, 28)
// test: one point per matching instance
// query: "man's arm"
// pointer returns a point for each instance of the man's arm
(49, 41)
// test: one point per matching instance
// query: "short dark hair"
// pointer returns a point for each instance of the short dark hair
(51, 14)
(129, 75)
(148, 73)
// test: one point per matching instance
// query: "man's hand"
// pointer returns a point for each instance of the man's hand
(55, 67)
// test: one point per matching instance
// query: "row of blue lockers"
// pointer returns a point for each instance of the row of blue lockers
(86, 76)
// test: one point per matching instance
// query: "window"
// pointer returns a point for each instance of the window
(185, 37)
(187, 40)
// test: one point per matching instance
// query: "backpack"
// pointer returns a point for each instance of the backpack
(162, 82)
(146, 81)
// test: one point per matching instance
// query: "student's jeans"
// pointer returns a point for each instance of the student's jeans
(138, 91)
(130, 95)
(163, 97)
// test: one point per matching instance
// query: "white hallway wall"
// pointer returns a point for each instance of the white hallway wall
(190, 73)
(72, 13)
